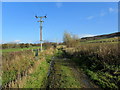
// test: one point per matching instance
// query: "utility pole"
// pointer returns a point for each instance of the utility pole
(41, 17)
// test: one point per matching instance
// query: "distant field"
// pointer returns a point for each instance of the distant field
(107, 40)
(17, 49)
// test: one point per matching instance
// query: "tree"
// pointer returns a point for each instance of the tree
(4, 46)
(22, 45)
(67, 37)
(70, 40)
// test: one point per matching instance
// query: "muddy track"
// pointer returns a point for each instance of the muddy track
(55, 74)
(83, 79)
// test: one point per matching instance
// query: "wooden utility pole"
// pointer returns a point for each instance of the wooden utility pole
(41, 17)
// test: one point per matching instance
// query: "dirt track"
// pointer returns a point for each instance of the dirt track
(56, 80)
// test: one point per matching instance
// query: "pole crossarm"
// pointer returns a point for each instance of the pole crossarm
(40, 21)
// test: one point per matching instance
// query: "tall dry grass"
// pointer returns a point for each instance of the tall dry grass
(100, 61)
(108, 53)
(14, 63)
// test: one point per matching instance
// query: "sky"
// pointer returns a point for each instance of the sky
(81, 18)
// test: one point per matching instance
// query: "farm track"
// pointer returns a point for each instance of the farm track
(55, 75)
(81, 77)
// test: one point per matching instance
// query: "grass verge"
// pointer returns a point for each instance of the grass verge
(17, 49)
(35, 80)
(67, 79)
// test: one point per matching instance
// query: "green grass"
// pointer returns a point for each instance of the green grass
(68, 80)
(103, 79)
(62, 76)
(18, 49)
(36, 79)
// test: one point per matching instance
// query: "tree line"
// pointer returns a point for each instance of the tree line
(27, 45)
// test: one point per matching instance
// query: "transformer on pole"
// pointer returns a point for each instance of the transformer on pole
(41, 17)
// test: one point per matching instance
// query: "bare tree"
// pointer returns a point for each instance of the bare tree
(70, 40)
